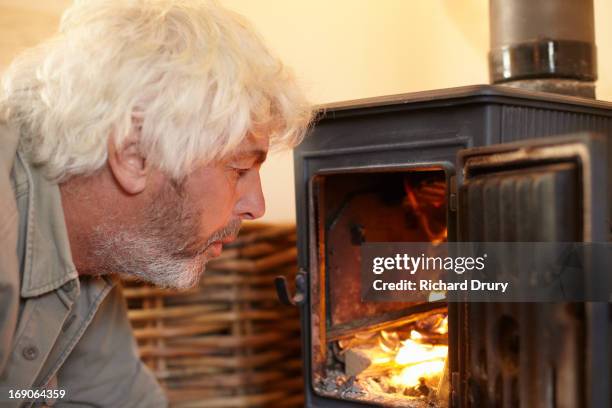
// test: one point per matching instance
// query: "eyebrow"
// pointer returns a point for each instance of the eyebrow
(259, 154)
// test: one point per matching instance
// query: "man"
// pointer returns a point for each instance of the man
(130, 145)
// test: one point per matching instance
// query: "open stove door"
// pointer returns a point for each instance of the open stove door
(532, 355)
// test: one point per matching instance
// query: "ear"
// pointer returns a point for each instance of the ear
(127, 164)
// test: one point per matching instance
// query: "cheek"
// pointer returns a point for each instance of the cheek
(213, 200)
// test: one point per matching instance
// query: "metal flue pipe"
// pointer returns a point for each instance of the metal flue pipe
(545, 45)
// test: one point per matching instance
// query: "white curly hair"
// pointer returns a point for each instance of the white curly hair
(192, 75)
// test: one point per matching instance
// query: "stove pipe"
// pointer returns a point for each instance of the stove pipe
(544, 45)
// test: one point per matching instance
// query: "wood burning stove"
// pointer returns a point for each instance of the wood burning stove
(480, 163)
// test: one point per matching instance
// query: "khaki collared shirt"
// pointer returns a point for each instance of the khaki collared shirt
(58, 331)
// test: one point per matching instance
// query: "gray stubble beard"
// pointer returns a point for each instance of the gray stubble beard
(165, 250)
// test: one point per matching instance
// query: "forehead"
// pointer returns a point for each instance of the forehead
(253, 145)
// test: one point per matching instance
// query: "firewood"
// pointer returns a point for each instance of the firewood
(367, 361)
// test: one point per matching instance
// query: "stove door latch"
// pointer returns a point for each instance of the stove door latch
(282, 289)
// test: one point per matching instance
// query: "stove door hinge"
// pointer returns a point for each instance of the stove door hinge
(282, 289)
(454, 394)
(452, 195)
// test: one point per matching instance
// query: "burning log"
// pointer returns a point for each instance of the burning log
(367, 362)
(410, 361)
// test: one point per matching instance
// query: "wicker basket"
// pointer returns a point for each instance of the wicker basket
(229, 342)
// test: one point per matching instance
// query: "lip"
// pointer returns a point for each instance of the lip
(228, 240)
(215, 248)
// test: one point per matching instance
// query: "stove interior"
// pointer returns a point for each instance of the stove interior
(399, 366)
(392, 353)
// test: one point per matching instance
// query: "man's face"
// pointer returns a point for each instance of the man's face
(186, 225)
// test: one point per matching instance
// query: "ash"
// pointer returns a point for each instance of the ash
(375, 390)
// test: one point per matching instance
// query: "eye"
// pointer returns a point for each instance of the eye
(240, 171)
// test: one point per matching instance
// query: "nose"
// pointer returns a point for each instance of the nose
(252, 204)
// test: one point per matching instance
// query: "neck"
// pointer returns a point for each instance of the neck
(85, 209)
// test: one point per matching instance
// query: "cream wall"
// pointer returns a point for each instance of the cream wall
(348, 49)
(343, 49)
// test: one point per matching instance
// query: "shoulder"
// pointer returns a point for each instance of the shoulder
(105, 367)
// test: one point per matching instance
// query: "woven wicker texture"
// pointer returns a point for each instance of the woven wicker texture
(228, 342)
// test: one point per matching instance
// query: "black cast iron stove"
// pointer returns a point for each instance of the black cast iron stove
(479, 163)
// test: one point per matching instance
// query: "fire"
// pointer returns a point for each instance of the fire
(413, 352)
(415, 335)
(442, 327)
(411, 362)
(423, 200)
(388, 341)
(422, 360)
(411, 376)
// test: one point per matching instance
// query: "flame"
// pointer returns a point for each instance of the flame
(415, 335)
(381, 359)
(406, 360)
(388, 341)
(410, 376)
(417, 198)
(442, 327)
(422, 360)
(412, 352)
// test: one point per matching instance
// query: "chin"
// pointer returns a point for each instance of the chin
(190, 278)
(175, 274)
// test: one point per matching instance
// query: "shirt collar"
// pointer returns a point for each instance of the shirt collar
(48, 260)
